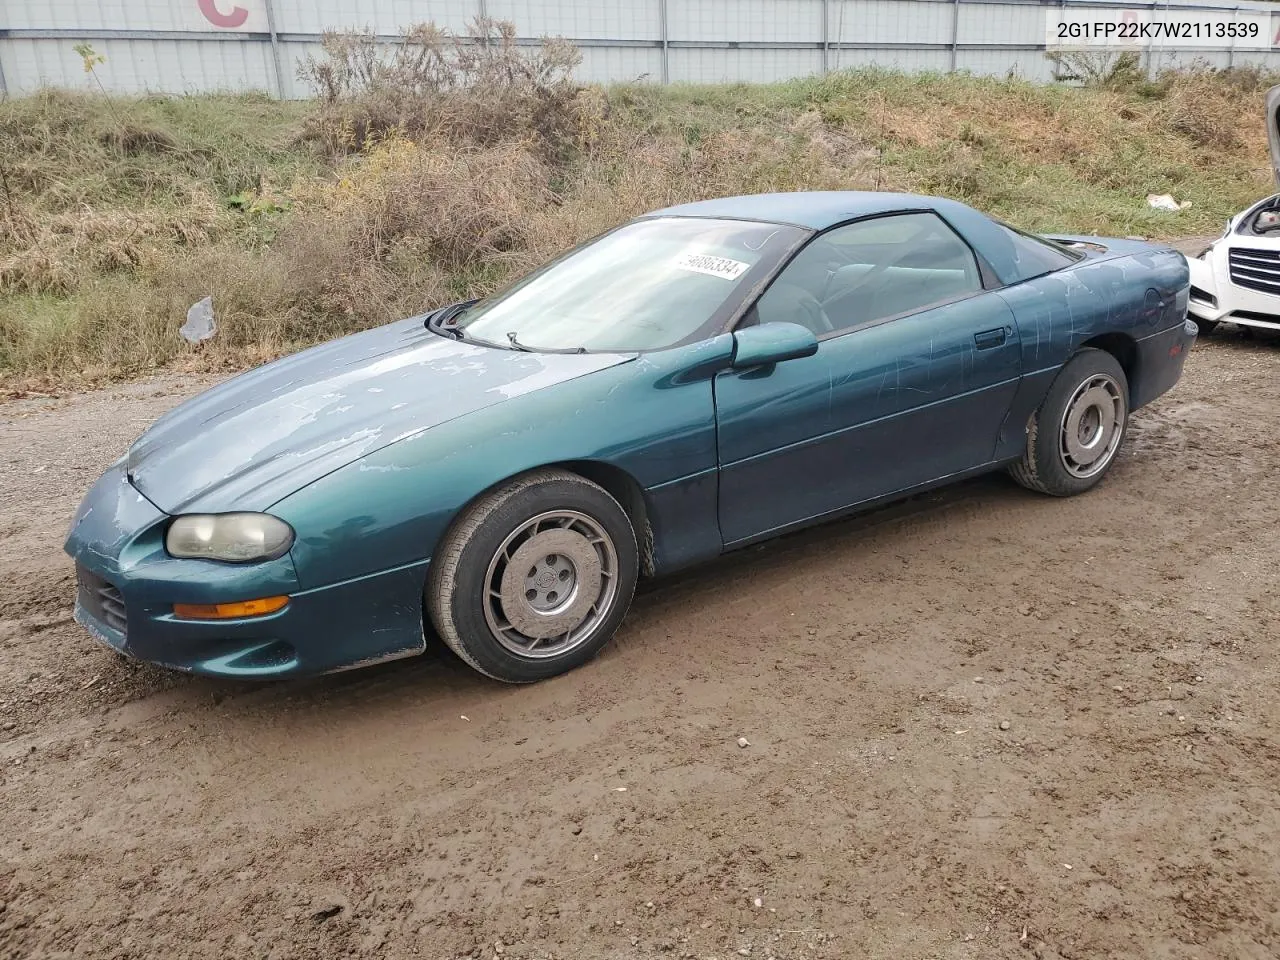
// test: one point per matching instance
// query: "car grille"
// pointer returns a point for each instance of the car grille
(1255, 269)
(101, 600)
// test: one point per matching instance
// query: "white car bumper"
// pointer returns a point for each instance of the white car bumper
(1230, 284)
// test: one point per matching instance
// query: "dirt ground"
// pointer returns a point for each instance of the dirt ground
(984, 724)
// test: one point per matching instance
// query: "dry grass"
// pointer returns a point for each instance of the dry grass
(113, 221)
(477, 88)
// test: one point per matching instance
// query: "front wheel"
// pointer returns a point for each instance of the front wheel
(1205, 327)
(1073, 438)
(535, 577)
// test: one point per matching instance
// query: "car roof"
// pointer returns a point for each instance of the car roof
(815, 209)
(820, 210)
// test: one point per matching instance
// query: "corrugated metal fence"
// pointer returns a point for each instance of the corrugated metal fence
(180, 46)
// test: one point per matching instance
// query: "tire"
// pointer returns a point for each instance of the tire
(1206, 327)
(1090, 393)
(535, 577)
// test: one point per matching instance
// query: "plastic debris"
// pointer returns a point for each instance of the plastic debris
(200, 325)
(1163, 201)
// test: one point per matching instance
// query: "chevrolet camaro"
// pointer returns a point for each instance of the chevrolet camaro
(501, 472)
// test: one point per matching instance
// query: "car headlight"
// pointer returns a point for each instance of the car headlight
(235, 537)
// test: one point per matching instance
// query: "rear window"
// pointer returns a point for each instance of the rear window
(1035, 256)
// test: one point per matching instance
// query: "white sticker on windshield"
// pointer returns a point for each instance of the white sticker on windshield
(721, 267)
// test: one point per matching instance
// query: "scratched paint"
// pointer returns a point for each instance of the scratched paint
(370, 445)
(280, 427)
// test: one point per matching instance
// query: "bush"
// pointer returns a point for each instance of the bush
(378, 241)
(1093, 68)
(113, 222)
(480, 88)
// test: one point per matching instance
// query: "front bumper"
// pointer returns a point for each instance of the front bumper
(128, 585)
(1228, 303)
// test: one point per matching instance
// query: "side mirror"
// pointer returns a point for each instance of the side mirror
(772, 343)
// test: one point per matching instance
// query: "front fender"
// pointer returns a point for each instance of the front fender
(653, 418)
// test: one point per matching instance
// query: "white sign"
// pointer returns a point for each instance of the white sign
(1101, 28)
(721, 267)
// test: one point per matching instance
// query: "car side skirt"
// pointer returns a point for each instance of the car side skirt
(868, 505)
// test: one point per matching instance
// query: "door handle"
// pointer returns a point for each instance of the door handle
(987, 339)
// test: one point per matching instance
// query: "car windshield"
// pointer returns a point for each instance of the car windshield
(648, 285)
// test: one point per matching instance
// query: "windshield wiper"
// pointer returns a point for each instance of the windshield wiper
(442, 321)
(517, 345)
(455, 332)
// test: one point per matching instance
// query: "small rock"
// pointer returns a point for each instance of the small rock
(1199, 679)
(498, 947)
(977, 679)
(744, 742)
(744, 951)
(326, 909)
(9, 725)
(649, 905)
(635, 941)
(758, 902)
(1024, 609)
(577, 829)
(1004, 724)
(1118, 689)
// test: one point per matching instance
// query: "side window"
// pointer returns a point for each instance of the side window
(1034, 256)
(872, 270)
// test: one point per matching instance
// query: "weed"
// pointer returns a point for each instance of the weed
(477, 88)
(111, 226)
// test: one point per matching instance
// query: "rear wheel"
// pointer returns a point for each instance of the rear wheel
(1073, 438)
(535, 577)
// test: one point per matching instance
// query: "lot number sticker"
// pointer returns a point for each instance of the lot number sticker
(721, 267)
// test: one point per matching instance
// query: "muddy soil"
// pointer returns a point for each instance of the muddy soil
(983, 724)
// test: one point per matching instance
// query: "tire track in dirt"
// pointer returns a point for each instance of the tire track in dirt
(882, 810)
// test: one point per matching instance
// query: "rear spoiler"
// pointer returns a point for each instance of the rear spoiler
(1083, 244)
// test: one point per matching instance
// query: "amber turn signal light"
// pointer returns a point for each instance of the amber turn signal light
(229, 611)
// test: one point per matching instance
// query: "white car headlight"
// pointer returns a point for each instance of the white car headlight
(235, 537)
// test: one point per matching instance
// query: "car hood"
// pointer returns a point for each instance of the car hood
(259, 437)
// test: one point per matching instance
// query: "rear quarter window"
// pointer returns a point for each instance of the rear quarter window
(1034, 256)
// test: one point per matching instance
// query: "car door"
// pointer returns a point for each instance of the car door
(916, 367)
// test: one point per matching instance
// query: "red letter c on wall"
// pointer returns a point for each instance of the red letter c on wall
(235, 18)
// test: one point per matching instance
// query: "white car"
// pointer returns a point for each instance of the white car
(1237, 278)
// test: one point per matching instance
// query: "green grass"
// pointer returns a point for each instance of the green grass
(69, 149)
